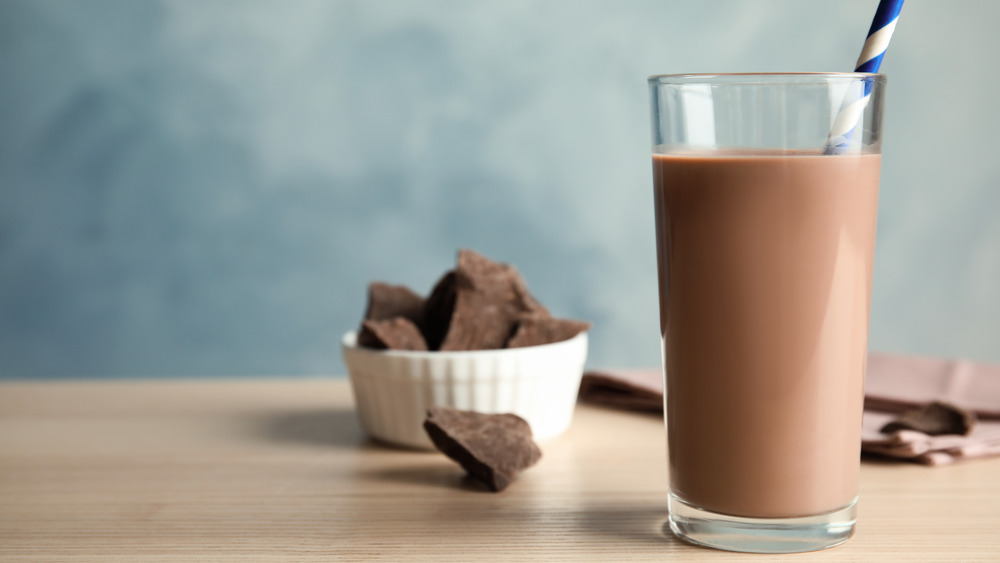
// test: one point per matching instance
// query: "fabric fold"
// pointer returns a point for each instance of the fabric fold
(893, 385)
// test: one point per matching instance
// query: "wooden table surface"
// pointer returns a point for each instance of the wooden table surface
(279, 469)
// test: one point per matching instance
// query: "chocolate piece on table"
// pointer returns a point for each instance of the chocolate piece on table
(395, 334)
(535, 331)
(386, 301)
(490, 297)
(438, 310)
(493, 448)
(934, 419)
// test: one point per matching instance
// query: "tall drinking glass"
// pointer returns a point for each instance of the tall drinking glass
(765, 231)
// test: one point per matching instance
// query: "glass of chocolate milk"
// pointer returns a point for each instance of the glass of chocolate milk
(765, 229)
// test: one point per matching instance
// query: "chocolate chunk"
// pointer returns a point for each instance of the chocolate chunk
(479, 305)
(535, 331)
(934, 419)
(387, 301)
(485, 275)
(490, 297)
(493, 448)
(438, 311)
(395, 334)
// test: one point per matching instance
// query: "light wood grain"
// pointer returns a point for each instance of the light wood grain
(265, 469)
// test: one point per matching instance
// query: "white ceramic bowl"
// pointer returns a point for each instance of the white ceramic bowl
(393, 389)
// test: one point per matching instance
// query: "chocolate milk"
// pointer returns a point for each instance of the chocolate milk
(765, 266)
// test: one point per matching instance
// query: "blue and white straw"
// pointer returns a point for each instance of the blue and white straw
(878, 35)
(870, 60)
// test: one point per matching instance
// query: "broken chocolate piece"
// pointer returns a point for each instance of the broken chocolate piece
(489, 276)
(493, 448)
(394, 334)
(479, 305)
(535, 331)
(490, 297)
(934, 419)
(387, 301)
(438, 310)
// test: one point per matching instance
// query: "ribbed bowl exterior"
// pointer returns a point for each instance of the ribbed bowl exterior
(394, 389)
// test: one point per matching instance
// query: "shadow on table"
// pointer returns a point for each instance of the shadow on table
(639, 523)
(439, 473)
(327, 427)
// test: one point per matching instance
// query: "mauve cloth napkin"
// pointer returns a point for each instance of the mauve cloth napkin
(893, 385)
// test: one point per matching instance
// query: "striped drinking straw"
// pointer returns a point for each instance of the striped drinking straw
(879, 34)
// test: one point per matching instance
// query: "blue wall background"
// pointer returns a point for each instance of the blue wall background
(205, 188)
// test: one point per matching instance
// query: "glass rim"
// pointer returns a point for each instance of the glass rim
(758, 77)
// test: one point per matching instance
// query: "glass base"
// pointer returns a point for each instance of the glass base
(761, 535)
